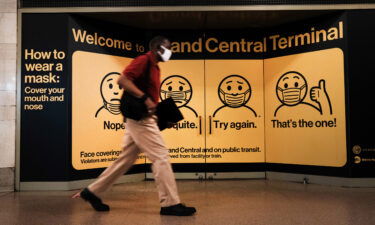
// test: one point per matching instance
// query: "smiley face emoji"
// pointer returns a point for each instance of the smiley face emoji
(234, 91)
(291, 88)
(178, 88)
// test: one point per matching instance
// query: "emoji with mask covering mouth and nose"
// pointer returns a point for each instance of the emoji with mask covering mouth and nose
(292, 88)
(179, 89)
(111, 94)
(234, 92)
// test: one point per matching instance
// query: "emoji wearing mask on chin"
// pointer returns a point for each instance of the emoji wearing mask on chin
(291, 89)
(111, 94)
(234, 92)
(179, 89)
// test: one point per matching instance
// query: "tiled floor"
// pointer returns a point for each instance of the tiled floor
(226, 202)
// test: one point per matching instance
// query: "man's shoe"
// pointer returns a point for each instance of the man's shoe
(177, 210)
(95, 201)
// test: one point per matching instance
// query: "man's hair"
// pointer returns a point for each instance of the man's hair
(156, 42)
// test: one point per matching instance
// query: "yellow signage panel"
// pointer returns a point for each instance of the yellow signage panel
(97, 123)
(305, 109)
(231, 115)
(183, 80)
(235, 111)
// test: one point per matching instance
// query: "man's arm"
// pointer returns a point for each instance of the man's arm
(130, 87)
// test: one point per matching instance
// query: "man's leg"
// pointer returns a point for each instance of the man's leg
(125, 160)
(147, 137)
(109, 176)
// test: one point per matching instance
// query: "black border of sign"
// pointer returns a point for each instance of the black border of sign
(122, 3)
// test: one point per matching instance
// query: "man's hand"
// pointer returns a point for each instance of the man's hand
(151, 106)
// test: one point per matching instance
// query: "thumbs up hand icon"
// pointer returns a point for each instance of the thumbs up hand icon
(319, 94)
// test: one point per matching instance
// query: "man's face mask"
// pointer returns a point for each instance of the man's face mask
(292, 96)
(234, 100)
(166, 55)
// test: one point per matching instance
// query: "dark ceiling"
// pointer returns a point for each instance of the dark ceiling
(205, 20)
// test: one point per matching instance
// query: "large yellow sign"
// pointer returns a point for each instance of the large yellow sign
(97, 124)
(305, 109)
(288, 110)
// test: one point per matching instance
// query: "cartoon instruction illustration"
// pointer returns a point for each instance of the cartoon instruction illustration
(179, 89)
(111, 94)
(234, 91)
(292, 88)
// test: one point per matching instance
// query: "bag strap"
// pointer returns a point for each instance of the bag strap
(148, 71)
(148, 68)
(146, 74)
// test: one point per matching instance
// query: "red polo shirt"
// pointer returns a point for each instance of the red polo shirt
(136, 72)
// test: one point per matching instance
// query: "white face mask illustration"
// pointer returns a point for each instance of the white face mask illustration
(234, 91)
(291, 88)
(111, 93)
(178, 88)
(166, 55)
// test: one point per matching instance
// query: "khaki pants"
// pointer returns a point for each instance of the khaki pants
(142, 136)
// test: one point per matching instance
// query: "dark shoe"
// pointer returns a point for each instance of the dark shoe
(95, 202)
(177, 210)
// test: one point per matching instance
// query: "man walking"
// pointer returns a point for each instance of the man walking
(142, 80)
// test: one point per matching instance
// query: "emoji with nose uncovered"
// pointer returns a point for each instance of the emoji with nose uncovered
(234, 91)
(111, 94)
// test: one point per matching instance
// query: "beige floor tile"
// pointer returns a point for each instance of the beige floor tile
(227, 202)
